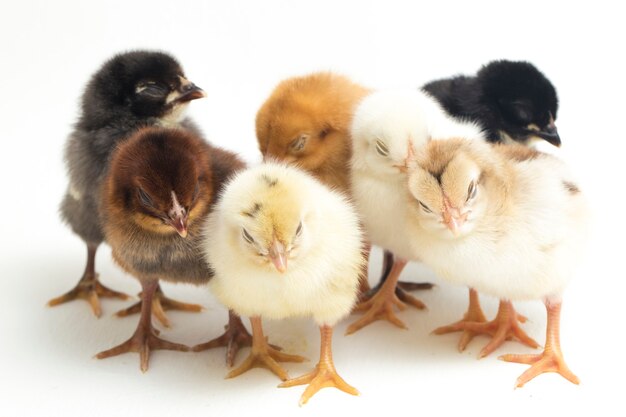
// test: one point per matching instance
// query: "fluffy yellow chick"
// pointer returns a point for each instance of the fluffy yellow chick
(505, 220)
(284, 245)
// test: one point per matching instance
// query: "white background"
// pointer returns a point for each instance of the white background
(237, 51)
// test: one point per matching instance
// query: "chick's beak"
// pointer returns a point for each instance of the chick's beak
(180, 224)
(188, 91)
(550, 134)
(278, 255)
(452, 218)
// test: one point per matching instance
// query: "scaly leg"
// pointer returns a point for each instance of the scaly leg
(160, 304)
(235, 337)
(474, 314)
(263, 355)
(551, 359)
(324, 375)
(402, 286)
(504, 327)
(380, 306)
(89, 287)
(144, 339)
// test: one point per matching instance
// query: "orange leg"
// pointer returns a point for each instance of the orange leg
(144, 339)
(89, 287)
(381, 305)
(264, 355)
(403, 286)
(160, 304)
(474, 314)
(504, 327)
(235, 337)
(551, 359)
(324, 375)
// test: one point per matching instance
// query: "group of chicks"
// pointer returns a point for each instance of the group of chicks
(445, 175)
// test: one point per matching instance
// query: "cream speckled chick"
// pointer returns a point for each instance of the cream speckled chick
(504, 219)
(382, 127)
(284, 245)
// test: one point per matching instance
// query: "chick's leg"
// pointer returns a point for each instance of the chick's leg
(160, 304)
(235, 337)
(144, 339)
(263, 354)
(324, 375)
(89, 287)
(551, 359)
(381, 305)
(474, 314)
(504, 327)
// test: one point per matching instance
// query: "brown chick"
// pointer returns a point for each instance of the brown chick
(161, 185)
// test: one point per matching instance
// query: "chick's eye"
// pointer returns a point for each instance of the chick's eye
(299, 143)
(144, 198)
(196, 191)
(471, 191)
(299, 230)
(424, 207)
(151, 89)
(381, 148)
(247, 237)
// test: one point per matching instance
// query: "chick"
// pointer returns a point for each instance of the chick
(506, 220)
(130, 90)
(161, 184)
(512, 100)
(306, 122)
(284, 245)
(383, 125)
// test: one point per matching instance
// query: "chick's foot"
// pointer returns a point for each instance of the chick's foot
(160, 304)
(145, 338)
(234, 338)
(474, 314)
(504, 327)
(263, 355)
(324, 375)
(381, 305)
(551, 359)
(402, 286)
(89, 288)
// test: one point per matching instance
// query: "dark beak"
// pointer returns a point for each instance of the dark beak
(550, 135)
(189, 92)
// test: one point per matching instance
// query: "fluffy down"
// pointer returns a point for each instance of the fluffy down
(272, 201)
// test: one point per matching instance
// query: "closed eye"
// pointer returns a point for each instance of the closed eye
(382, 148)
(424, 207)
(247, 237)
(471, 191)
(144, 198)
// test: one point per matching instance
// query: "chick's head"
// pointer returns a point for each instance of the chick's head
(384, 124)
(522, 99)
(161, 179)
(451, 183)
(268, 220)
(139, 84)
(305, 121)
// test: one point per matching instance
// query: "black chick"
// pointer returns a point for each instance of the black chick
(512, 100)
(130, 91)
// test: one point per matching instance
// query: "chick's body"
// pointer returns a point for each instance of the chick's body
(505, 220)
(161, 185)
(283, 245)
(523, 246)
(321, 282)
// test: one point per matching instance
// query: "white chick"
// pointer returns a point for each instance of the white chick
(284, 245)
(505, 220)
(383, 125)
